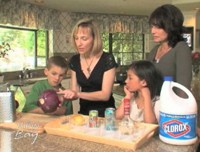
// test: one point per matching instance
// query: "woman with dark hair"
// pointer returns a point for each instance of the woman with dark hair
(143, 86)
(171, 56)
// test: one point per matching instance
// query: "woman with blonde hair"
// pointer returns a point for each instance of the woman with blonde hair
(93, 70)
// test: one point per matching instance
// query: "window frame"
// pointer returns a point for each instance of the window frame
(132, 52)
(36, 56)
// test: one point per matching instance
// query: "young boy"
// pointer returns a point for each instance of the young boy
(55, 71)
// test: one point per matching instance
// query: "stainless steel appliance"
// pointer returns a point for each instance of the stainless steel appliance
(7, 106)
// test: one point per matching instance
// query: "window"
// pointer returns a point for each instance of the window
(28, 48)
(126, 47)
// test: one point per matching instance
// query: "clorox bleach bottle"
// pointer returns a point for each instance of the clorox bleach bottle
(178, 116)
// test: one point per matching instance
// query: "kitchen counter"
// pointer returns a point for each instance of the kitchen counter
(12, 141)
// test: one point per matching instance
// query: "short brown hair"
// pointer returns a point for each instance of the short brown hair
(58, 61)
(91, 24)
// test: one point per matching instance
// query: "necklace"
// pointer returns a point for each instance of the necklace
(89, 65)
(160, 53)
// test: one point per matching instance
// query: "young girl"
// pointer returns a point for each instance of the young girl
(143, 86)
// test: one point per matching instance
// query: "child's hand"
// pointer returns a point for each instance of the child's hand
(129, 94)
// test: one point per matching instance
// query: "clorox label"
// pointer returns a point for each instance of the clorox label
(177, 126)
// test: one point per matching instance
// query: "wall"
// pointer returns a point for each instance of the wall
(61, 37)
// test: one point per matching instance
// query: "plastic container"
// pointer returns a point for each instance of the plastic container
(178, 116)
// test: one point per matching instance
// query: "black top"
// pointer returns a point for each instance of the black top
(93, 83)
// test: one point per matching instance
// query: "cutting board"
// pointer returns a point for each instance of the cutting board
(29, 122)
(62, 127)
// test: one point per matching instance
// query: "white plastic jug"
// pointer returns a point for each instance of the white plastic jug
(178, 116)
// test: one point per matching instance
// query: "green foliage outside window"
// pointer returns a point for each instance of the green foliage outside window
(125, 47)
(25, 51)
(41, 43)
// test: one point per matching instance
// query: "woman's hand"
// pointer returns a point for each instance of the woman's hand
(67, 94)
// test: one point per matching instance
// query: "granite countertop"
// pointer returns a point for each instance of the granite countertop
(13, 141)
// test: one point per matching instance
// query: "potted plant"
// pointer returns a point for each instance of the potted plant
(4, 50)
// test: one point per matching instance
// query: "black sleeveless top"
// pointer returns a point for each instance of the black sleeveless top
(93, 83)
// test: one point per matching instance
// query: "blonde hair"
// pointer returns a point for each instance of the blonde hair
(91, 24)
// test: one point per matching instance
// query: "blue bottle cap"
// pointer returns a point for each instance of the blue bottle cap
(168, 78)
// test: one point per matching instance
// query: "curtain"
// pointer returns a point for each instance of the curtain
(116, 23)
(18, 13)
(15, 13)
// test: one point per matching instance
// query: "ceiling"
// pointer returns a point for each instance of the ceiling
(125, 7)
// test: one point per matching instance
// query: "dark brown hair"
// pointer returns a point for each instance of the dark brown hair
(58, 61)
(145, 70)
(170, 19)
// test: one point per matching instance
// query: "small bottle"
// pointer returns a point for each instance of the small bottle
(126, 125)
